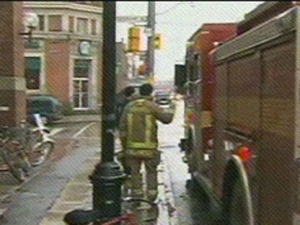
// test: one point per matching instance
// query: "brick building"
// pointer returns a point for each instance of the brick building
(64, 56)
(12, 85)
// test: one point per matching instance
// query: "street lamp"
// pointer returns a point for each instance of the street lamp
(31, 22)
(107, 176)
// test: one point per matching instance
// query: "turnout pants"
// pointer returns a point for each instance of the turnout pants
(151, 164)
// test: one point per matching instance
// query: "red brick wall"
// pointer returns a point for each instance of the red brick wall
(12, 62)
(11, 45)
(57, 69)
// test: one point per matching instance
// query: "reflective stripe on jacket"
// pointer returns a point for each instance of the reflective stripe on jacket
(141, 126)
(132, 146)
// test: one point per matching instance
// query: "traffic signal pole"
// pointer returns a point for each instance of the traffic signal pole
(150, 41)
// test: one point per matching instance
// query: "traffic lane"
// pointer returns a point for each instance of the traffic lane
(191, 206)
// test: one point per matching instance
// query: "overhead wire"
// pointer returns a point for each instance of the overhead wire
(173, 7)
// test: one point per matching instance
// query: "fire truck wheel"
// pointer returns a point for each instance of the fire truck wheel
(238, 207)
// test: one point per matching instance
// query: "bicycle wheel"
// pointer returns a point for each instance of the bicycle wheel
(143, 210)
(19, 173)
(42, 152)
(18, 164)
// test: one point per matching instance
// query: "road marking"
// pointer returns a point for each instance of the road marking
(83, 129)
(56, 130)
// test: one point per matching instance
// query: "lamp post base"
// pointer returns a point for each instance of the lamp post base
(107, 180)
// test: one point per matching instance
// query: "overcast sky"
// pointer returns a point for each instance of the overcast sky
(177, 21)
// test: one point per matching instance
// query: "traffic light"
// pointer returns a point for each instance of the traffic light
(134, 39)
(157, 41)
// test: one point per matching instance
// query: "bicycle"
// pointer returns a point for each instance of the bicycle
(13, 157)
(133, 213)
(38, 145)
(22, 147)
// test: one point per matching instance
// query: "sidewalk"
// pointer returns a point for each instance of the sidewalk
(77, 194)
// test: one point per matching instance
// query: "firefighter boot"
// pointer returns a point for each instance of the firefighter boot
(127, 187)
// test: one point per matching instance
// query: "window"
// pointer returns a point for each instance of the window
(82, 68)
(82, 26)
(32, 72)
(82, 71)
(71, 24)
(82, 2)
(55, 22)
(41, 26)
(94, 26)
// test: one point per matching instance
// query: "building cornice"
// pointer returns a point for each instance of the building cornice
(62, 5)
(65, 36)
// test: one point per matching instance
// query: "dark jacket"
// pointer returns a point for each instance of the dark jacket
(121, 102)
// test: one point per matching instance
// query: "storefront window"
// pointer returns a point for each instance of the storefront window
(32, 72)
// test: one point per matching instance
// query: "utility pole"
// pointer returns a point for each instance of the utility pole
(150, 41)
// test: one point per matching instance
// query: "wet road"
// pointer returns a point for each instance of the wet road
(190, 206)
(28, 203)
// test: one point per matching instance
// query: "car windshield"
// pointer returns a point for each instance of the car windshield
(162, 93)
(40, 104)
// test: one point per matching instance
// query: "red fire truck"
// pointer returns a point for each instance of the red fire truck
(241, 86)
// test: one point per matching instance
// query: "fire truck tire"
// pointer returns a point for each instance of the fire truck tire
(190, 152)
(238, 211)
(238, 206)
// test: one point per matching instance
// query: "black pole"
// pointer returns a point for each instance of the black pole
(107, 177)
(109, 79)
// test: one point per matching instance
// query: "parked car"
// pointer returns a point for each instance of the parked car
(49, 108)
(162, 97)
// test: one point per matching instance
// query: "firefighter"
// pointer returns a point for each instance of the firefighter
(122, 99)
(138, 134)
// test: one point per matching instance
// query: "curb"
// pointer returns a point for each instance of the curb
(79, 118)
(75, 121)
(168, 193)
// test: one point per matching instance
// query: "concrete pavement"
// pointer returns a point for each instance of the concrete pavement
(77, 194)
